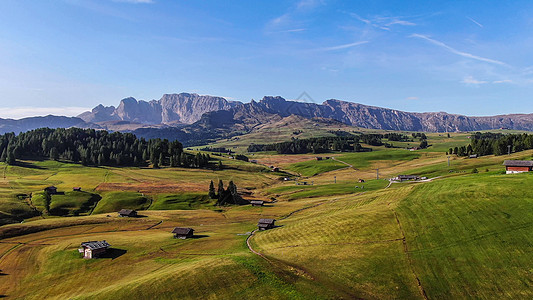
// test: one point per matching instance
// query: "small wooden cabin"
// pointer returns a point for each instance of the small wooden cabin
(257, 202)
(76, 189)
(183, 233)
(407, 177)
(127, 213)
(93, 249)
(51, 190)
(518, 166)
(265, 224)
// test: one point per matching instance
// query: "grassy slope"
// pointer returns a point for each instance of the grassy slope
(115, 201)
(467, 236)
(464, 239)
(472, 236)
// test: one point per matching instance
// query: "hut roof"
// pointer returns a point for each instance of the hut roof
(126, 211)
(407, 176)
(182, 230)
(518, 163)
(266, 221)
(93, 245)
(257, 202)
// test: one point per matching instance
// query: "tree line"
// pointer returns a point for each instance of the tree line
(488, 143)
(345, 143)
(312, 145)
(96, 148)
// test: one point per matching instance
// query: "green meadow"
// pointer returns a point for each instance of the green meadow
(462, 235)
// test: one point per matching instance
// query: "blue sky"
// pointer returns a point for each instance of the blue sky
(466, 57)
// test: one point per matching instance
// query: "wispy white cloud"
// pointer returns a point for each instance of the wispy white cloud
(475, 22)
(455, 51)
(345, 46)
(503, 81)
(23, 112)
(294, 30)
(401, 22)
(470, 80)
(383, 23)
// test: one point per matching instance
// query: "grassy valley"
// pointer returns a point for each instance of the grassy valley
(459, 234)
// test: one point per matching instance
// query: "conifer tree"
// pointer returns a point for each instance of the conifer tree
(212, 193)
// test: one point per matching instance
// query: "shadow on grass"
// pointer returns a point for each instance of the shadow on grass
(29, 165)
(113, 253)
(199, 236)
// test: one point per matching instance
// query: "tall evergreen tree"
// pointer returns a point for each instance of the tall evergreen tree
(212, 194)
(10, 159)
(3, 157)
(220, 191)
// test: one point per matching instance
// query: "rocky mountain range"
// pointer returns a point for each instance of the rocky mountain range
(195, 118)
(171, 109)
(184, 108)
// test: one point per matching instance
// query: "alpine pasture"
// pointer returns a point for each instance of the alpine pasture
(460, 234)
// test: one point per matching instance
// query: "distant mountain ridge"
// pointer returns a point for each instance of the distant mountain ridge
(26, 124)
(187, 108)
(193, 117)
(171, 109)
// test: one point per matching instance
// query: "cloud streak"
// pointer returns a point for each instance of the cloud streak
(469, 80)
(475, 22)
(345, 46)
(455, 51)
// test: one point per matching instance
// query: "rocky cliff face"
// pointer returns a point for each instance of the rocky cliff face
(181, 108)
(208, 111)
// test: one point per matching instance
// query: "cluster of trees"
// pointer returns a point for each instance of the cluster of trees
(226, 196)
(494, 143)
(397, 137)
(96, 148)
(312, 145)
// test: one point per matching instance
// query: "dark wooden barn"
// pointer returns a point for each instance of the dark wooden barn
(93, 249)
(51, 190)
(183, 233)
(518, 166)
(127, 213)
(265, 224)
(257, 202)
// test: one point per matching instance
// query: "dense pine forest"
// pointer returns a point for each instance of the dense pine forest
(96, 148)
(488, 143)
(318, 145)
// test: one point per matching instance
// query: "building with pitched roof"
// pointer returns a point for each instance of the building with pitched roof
(93, 249)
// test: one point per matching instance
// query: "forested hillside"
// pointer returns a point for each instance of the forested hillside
(95, 148)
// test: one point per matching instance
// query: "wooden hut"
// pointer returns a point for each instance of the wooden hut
(127, 213)
(51, 190)
(265, 224)
(518, 166)
(76, 189)
(407, 177)
(183, 233)
(257, 202)
(93, 249)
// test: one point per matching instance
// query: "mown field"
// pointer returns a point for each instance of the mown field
(462, 235)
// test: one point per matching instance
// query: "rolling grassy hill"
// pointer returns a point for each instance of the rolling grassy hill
(459, 236)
